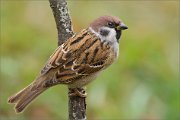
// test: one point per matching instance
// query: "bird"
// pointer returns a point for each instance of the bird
(76, 62)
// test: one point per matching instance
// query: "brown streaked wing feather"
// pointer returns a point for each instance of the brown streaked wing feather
(51, 62)
(64, 53)
(88, 62)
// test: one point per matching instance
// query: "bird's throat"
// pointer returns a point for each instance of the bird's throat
(118, 35)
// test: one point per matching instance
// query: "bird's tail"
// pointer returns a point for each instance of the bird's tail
(25, 97)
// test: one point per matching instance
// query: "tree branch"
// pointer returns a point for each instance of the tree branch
(62, 18)
(77, 105)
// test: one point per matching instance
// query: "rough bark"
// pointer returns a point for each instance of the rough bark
(62, 18)
(77, 105)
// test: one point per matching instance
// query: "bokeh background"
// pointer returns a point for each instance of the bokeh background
(142, 84)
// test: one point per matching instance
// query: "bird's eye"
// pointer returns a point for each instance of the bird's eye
(111, 25)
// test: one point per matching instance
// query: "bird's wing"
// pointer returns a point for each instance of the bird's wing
(80, 56)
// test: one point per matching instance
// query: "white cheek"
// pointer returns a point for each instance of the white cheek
(111, 37)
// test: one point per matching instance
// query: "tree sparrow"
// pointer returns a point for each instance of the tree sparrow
(77, 61)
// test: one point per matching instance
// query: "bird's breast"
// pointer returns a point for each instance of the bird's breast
(114, 53)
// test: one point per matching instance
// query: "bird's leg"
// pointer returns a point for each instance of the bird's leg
(77, 92)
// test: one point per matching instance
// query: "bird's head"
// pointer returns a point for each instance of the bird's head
(108, 27)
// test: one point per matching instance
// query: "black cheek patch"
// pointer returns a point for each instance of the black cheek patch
(104, 32)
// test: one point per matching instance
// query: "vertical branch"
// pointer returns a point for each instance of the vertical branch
(62, 18)
(77, 105)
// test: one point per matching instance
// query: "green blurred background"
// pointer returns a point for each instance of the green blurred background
(142, 84)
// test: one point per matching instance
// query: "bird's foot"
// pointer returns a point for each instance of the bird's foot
(77, 92)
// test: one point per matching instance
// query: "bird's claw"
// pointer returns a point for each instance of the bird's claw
(77, 92)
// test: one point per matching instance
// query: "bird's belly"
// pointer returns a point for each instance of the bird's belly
(82, 82)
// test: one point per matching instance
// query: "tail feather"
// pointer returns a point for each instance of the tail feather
(16, 97)
(26, 99)
(23, 98)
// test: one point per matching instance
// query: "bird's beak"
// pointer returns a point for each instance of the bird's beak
(122, 26)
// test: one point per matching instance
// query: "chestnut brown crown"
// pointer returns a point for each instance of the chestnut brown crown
(108, 21)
